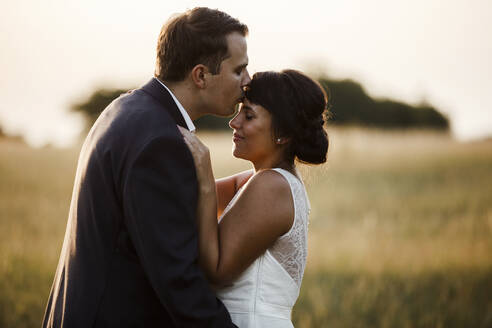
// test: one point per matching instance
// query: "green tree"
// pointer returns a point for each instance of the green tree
(95, 104)
(349, 104)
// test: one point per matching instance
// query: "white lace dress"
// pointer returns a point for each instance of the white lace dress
(264, 294)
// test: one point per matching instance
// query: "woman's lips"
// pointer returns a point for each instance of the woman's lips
(236, 137)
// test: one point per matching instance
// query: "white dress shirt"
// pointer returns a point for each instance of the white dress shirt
(183, 111)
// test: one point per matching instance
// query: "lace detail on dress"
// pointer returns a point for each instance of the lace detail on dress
(290, 250)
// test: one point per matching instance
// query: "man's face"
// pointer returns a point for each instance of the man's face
(224, 89)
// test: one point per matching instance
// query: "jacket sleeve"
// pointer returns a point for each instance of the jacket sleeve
(160, 197)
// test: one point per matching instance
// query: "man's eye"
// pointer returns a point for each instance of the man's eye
(249, 117)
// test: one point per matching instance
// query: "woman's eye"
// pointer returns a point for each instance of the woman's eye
(249, 117)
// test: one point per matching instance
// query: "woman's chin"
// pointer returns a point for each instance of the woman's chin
(236, 153)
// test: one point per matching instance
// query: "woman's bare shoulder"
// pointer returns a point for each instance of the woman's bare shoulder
(270, 191)
(271, 180)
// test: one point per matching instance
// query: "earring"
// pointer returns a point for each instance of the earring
(278, 140)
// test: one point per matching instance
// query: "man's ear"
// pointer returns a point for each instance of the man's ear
(199, 76)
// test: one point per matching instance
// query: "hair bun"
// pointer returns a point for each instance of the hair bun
(311, 145)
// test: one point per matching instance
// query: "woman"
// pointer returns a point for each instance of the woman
(256, 251)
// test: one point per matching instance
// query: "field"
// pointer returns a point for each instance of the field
(400, 232)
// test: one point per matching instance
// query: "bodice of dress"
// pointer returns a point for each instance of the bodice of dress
(264, 294)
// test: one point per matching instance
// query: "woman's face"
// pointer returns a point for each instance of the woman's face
(253, 137)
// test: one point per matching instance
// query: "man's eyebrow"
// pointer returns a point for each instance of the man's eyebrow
(242, 66)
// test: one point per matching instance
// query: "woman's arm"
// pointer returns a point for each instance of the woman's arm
(263, 212)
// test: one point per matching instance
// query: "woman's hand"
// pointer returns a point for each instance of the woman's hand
(208, 241)
(201, 156)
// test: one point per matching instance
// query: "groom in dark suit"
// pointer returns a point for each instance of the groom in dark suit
(129, 258)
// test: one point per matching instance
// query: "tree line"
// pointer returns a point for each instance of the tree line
(349, 104)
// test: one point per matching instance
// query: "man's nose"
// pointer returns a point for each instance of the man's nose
(246, 78)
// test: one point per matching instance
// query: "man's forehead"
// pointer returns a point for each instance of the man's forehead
(239, 59)
(236, 44)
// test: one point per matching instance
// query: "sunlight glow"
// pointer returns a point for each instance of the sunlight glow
(55, 52)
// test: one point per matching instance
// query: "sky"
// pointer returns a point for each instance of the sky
(54, 53)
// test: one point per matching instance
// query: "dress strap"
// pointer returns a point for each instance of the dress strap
(287, 175)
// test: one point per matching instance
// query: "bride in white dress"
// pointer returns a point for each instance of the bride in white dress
(253, 225)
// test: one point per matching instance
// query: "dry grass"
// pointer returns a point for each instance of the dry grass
(400, 232)
(415, 201)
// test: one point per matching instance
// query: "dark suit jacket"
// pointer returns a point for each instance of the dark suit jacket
(129, 257)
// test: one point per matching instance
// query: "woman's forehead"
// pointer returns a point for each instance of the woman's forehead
(257, 109)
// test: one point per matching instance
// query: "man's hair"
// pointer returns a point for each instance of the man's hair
(197, 36)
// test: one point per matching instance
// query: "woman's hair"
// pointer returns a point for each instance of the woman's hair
(297, 105)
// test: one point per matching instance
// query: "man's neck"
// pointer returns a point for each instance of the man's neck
(182, 92)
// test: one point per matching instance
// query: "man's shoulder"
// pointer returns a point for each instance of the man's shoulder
(137, 111)
(131, 121)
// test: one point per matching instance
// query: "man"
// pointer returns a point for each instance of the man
(129, 257)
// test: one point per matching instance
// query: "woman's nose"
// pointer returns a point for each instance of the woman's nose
(234, 123)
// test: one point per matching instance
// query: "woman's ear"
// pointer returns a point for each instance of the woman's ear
(199, 76)
(282, 140)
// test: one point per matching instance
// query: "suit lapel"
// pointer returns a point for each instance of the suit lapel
(157, 91)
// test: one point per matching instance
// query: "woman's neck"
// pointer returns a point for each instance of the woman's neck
(273, 163)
